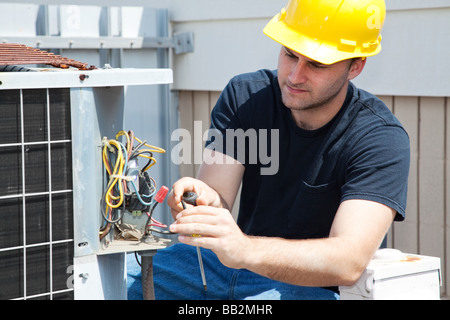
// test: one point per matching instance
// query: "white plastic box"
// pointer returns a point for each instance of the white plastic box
(393, 275)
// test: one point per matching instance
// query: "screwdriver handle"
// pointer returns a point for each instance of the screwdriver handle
(190, 197)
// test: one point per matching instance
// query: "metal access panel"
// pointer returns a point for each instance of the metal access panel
(51, 131)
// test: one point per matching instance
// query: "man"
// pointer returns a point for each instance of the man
(315, 224)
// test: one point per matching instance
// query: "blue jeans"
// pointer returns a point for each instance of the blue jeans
(177, 276)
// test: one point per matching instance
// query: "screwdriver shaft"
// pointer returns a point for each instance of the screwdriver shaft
(202, 270)
(200, 260)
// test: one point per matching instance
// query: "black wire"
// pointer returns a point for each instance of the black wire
(136, 153)
(160, 231)
(135, 149)
(149, 219)
(147, 229)
(137, 260)
(113, 211)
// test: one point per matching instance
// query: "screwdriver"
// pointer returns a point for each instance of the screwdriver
(191, 197)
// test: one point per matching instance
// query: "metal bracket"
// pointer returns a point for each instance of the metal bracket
(183, 42)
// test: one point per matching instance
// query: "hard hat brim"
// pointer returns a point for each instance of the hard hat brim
(314, 49)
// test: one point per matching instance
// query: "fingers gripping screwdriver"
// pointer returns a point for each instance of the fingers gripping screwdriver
(191, 197)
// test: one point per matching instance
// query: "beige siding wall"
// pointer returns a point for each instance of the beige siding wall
(427, 227)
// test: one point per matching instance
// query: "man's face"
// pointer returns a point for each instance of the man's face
(307, 84)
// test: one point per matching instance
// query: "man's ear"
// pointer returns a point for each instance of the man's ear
(356, 67)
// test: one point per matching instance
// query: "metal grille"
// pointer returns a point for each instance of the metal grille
(36, 205)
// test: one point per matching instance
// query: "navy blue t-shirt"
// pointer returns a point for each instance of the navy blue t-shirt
(363, 153)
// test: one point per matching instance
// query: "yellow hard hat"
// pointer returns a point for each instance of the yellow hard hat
(329, 31)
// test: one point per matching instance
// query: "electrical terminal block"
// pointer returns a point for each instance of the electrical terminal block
(136, 213)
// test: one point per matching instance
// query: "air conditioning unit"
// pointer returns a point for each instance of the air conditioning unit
(52, 126)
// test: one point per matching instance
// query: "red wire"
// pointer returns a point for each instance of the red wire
(155, 223)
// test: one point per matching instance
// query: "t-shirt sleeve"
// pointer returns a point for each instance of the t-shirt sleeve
(223, 117)
(378, 169)
(229, 120)
(237, 117)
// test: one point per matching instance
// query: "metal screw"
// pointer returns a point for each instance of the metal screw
(85, 275)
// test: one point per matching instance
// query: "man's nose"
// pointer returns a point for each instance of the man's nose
(299, 72)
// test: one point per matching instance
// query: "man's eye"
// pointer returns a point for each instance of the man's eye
(290, 55)
(318, 66)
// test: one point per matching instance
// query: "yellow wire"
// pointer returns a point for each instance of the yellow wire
(151, 164)
(154, 149)
(119, 167)
(118, 171)
(127, 136)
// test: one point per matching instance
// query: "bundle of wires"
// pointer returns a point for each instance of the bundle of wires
(120, 161)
